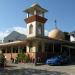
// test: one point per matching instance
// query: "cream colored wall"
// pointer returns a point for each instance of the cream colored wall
(34, 48)
(35, 26)
(27, 48)
(34, 29)
(8, 56)
(35, 33)
(72, 38)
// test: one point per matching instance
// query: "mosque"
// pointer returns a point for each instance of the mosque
(37, 44)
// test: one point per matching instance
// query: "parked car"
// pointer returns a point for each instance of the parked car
(57, 60)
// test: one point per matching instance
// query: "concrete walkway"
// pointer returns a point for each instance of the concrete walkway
(31, 69)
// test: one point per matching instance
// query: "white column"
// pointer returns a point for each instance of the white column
(27, 15)
(27, 48)
(35, 12)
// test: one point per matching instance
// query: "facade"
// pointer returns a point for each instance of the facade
(36, 45)
(72, 36)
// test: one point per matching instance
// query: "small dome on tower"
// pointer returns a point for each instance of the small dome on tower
(56, 34)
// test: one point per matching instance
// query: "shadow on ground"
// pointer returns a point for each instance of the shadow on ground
(30, 71)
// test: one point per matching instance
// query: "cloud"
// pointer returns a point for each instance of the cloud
(46, 32)
(3, 34)
(7, 32)
(21, 30)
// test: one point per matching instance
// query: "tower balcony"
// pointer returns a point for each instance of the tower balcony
(35, 18)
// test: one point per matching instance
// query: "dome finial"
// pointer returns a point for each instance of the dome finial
(55, 23)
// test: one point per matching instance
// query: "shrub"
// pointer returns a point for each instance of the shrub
(22, 58)
(2, 60)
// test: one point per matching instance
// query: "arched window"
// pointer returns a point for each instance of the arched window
(39, 29)
(31, 29)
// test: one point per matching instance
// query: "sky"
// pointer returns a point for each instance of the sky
(12, 15)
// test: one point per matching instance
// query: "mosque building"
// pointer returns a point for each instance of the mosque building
(37, 44)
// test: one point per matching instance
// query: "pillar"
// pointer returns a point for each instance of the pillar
(27, 48)
(27, 15)
(11, 52)
(6, 50)
(61, 49)
(0, 51)
(19, 49)
(53, 48)
(69, 53)
(35, 12)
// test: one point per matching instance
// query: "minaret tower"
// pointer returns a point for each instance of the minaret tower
(35, 21)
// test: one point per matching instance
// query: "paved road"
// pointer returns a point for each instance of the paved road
(31, 69)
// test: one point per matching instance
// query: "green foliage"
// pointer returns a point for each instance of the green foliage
(2, 60)
(22, 57)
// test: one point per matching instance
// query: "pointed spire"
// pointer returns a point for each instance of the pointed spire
(55, 23)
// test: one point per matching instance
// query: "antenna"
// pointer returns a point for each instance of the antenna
(55, 23)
